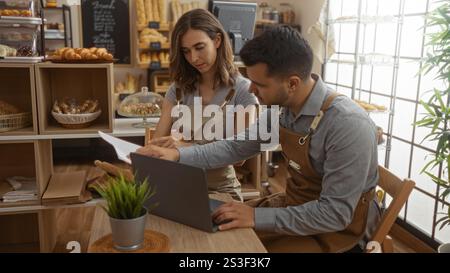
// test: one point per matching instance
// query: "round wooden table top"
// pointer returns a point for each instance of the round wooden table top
(154, 242)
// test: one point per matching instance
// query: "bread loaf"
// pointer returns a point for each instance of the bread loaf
(155, 9)
(141, 15)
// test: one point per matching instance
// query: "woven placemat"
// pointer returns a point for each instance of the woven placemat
(154, 242)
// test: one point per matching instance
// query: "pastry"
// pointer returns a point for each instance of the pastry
(25, 51)
(141, 109)
(6, 51)
(70, 106)
(8, 109)
(92, 53)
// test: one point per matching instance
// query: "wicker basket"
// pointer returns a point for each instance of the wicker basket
(15, 121)
(76, 121)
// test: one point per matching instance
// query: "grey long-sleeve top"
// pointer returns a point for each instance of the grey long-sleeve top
(343, 150)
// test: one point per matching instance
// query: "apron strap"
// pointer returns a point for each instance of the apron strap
(178, 95)
(319, 117)
(329, 100)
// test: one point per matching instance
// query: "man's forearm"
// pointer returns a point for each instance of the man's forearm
(219, 153)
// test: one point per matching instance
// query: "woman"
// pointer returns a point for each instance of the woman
(201, 65)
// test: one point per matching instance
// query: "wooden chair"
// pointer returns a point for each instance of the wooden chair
(148, 135)
(399, 190)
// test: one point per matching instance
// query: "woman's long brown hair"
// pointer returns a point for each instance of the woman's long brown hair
(181, 72)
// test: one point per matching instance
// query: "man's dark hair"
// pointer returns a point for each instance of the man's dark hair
(283, 49)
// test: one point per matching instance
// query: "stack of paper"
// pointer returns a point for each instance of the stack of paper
(66, 188)
(122, 148)
(20, 189)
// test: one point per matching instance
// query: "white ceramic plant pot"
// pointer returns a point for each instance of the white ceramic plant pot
(128, 234)
(444, 248)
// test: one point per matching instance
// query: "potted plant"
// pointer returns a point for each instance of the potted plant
(125, 199)
(437, 116)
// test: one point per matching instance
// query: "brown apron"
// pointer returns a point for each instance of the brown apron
(305, 185)
(220, 180)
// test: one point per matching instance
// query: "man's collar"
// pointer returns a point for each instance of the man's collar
(315, 100)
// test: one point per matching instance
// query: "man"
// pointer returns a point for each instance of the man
(328, 142)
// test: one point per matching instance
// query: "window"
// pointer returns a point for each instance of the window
(379, 48)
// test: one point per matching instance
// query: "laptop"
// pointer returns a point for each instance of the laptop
(181, 191)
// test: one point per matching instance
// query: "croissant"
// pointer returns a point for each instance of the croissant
(78, 50)
(93, 106)
(93, 49)
(84, 53)
(56, 107)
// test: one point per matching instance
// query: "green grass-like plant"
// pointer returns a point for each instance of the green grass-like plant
(125, 199)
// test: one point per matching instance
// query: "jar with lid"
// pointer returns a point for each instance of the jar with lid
(287, 14)
(266, 11)
(275, 16)
(142, 104)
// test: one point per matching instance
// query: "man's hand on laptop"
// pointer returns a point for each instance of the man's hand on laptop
(234, 215)
(159, 152)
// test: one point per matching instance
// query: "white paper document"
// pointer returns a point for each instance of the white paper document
(123, 148)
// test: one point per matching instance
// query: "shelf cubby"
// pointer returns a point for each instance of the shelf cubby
(78, 81)
(17, 88)
(27, 159)
(33, 231)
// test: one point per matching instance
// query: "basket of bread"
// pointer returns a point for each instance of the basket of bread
(81, 55)
(73, 115)
(12, 118)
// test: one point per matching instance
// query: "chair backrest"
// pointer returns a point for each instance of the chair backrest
(399, 190)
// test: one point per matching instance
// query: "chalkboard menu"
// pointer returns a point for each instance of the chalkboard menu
(106, 23)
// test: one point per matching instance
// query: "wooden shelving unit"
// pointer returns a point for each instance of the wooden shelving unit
(28, 225)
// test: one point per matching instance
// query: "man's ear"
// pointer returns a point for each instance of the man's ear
(218, 40)
(293, 82)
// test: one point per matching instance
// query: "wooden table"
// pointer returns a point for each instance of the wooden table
(186, 239)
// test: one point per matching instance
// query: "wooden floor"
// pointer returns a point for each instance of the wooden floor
(74, 224)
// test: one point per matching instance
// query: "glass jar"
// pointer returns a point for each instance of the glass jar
(275, 16)
(287, 14)
(266, 11)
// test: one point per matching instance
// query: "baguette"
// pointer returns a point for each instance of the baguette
(113, 170)
(140, 10)
(149, 11)
(155, 10)
(162, 11)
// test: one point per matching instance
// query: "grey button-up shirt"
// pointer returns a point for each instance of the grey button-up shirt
(343, 151)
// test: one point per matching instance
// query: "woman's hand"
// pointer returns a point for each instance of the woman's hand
(168, 142)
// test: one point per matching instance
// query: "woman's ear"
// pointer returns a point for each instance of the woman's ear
(218, 40)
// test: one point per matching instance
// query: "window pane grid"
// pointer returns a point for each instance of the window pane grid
(370, 80)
